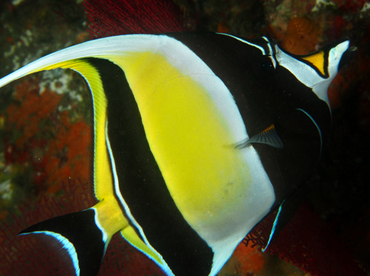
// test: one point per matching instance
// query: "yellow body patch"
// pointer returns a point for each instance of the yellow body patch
(110, 216)
(189, 137)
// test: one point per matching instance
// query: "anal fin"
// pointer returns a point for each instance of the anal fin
(80, 237)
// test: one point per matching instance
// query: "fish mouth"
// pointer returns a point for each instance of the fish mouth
(347, 57)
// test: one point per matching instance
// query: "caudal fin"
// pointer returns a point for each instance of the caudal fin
(80, 236)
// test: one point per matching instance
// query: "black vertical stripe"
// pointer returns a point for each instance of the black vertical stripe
(141, 182)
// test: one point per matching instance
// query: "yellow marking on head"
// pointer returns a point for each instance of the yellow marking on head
(189, 138)
(318, 61)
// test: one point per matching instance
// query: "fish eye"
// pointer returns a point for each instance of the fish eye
(264, 66)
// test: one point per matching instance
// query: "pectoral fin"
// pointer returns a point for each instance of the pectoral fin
(268, 136)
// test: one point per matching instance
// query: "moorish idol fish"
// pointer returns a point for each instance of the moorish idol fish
(197, 137)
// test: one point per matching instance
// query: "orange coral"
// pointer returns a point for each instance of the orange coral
(301, 37)
(251, 259)
(44, 140)
(222, 27)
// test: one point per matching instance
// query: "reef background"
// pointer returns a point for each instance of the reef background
(45, 139)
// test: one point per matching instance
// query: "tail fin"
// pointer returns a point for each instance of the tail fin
(80, 236)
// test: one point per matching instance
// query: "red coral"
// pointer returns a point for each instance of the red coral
(245, 260)
(350, 5)
(107, 18)
(310, 243)
(44, 140)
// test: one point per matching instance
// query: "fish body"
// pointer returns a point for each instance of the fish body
(197, 137)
